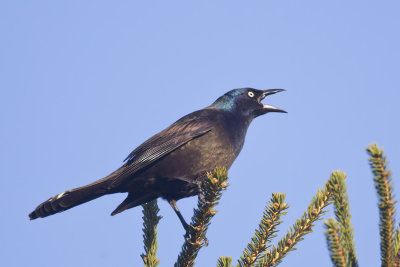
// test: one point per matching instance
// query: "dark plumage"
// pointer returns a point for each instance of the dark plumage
(173, 163)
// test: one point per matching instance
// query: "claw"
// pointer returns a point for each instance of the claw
(186, 236)
(202, 198)
(205, 240)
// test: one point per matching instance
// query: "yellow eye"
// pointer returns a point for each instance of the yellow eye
(250, 94)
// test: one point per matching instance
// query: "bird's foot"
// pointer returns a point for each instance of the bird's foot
(196, 243)
(203, 199)
(205, 241)
(189, 241)
(192, 239)
(201, 195)
(187, 236)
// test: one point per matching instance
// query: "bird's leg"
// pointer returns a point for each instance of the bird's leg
(175, 208)
(201, 195)
(185, 225)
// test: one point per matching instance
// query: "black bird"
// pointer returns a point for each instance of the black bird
(173, 163)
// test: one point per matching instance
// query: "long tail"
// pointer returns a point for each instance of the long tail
(72, 198)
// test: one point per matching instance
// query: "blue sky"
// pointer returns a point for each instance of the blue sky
(84, 83)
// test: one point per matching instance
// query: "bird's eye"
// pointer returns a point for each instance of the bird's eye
(250, 94)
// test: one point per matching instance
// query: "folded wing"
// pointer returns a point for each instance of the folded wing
(161, 144)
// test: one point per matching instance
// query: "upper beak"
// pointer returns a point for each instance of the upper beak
(269, 108)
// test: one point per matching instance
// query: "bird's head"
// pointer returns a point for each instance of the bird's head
(247, 102)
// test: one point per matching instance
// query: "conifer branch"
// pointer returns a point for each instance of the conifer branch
(397, 261)
(266, 230)
(300, 228)
(396, 247)
(342, 224)
(224, 262)
(211, 189)
(150, 223)
(335, 248)
(385, 203)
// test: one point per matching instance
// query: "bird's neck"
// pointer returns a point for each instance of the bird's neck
(237, 126)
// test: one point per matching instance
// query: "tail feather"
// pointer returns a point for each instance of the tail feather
(71, 198)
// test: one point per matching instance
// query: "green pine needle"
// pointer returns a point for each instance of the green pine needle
(386, 203)
(336, 252)
(212, 189)
(342, 225)
(396, 247)
(224, 262)
(266, 230)
(150, 223)
(300, 228)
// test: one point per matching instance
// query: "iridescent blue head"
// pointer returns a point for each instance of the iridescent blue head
(246, 102)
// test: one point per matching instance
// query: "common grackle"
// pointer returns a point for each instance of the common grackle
(173, 163)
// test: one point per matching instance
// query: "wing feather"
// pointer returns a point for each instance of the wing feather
(163, 143)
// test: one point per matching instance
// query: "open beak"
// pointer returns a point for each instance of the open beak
(269, 108)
